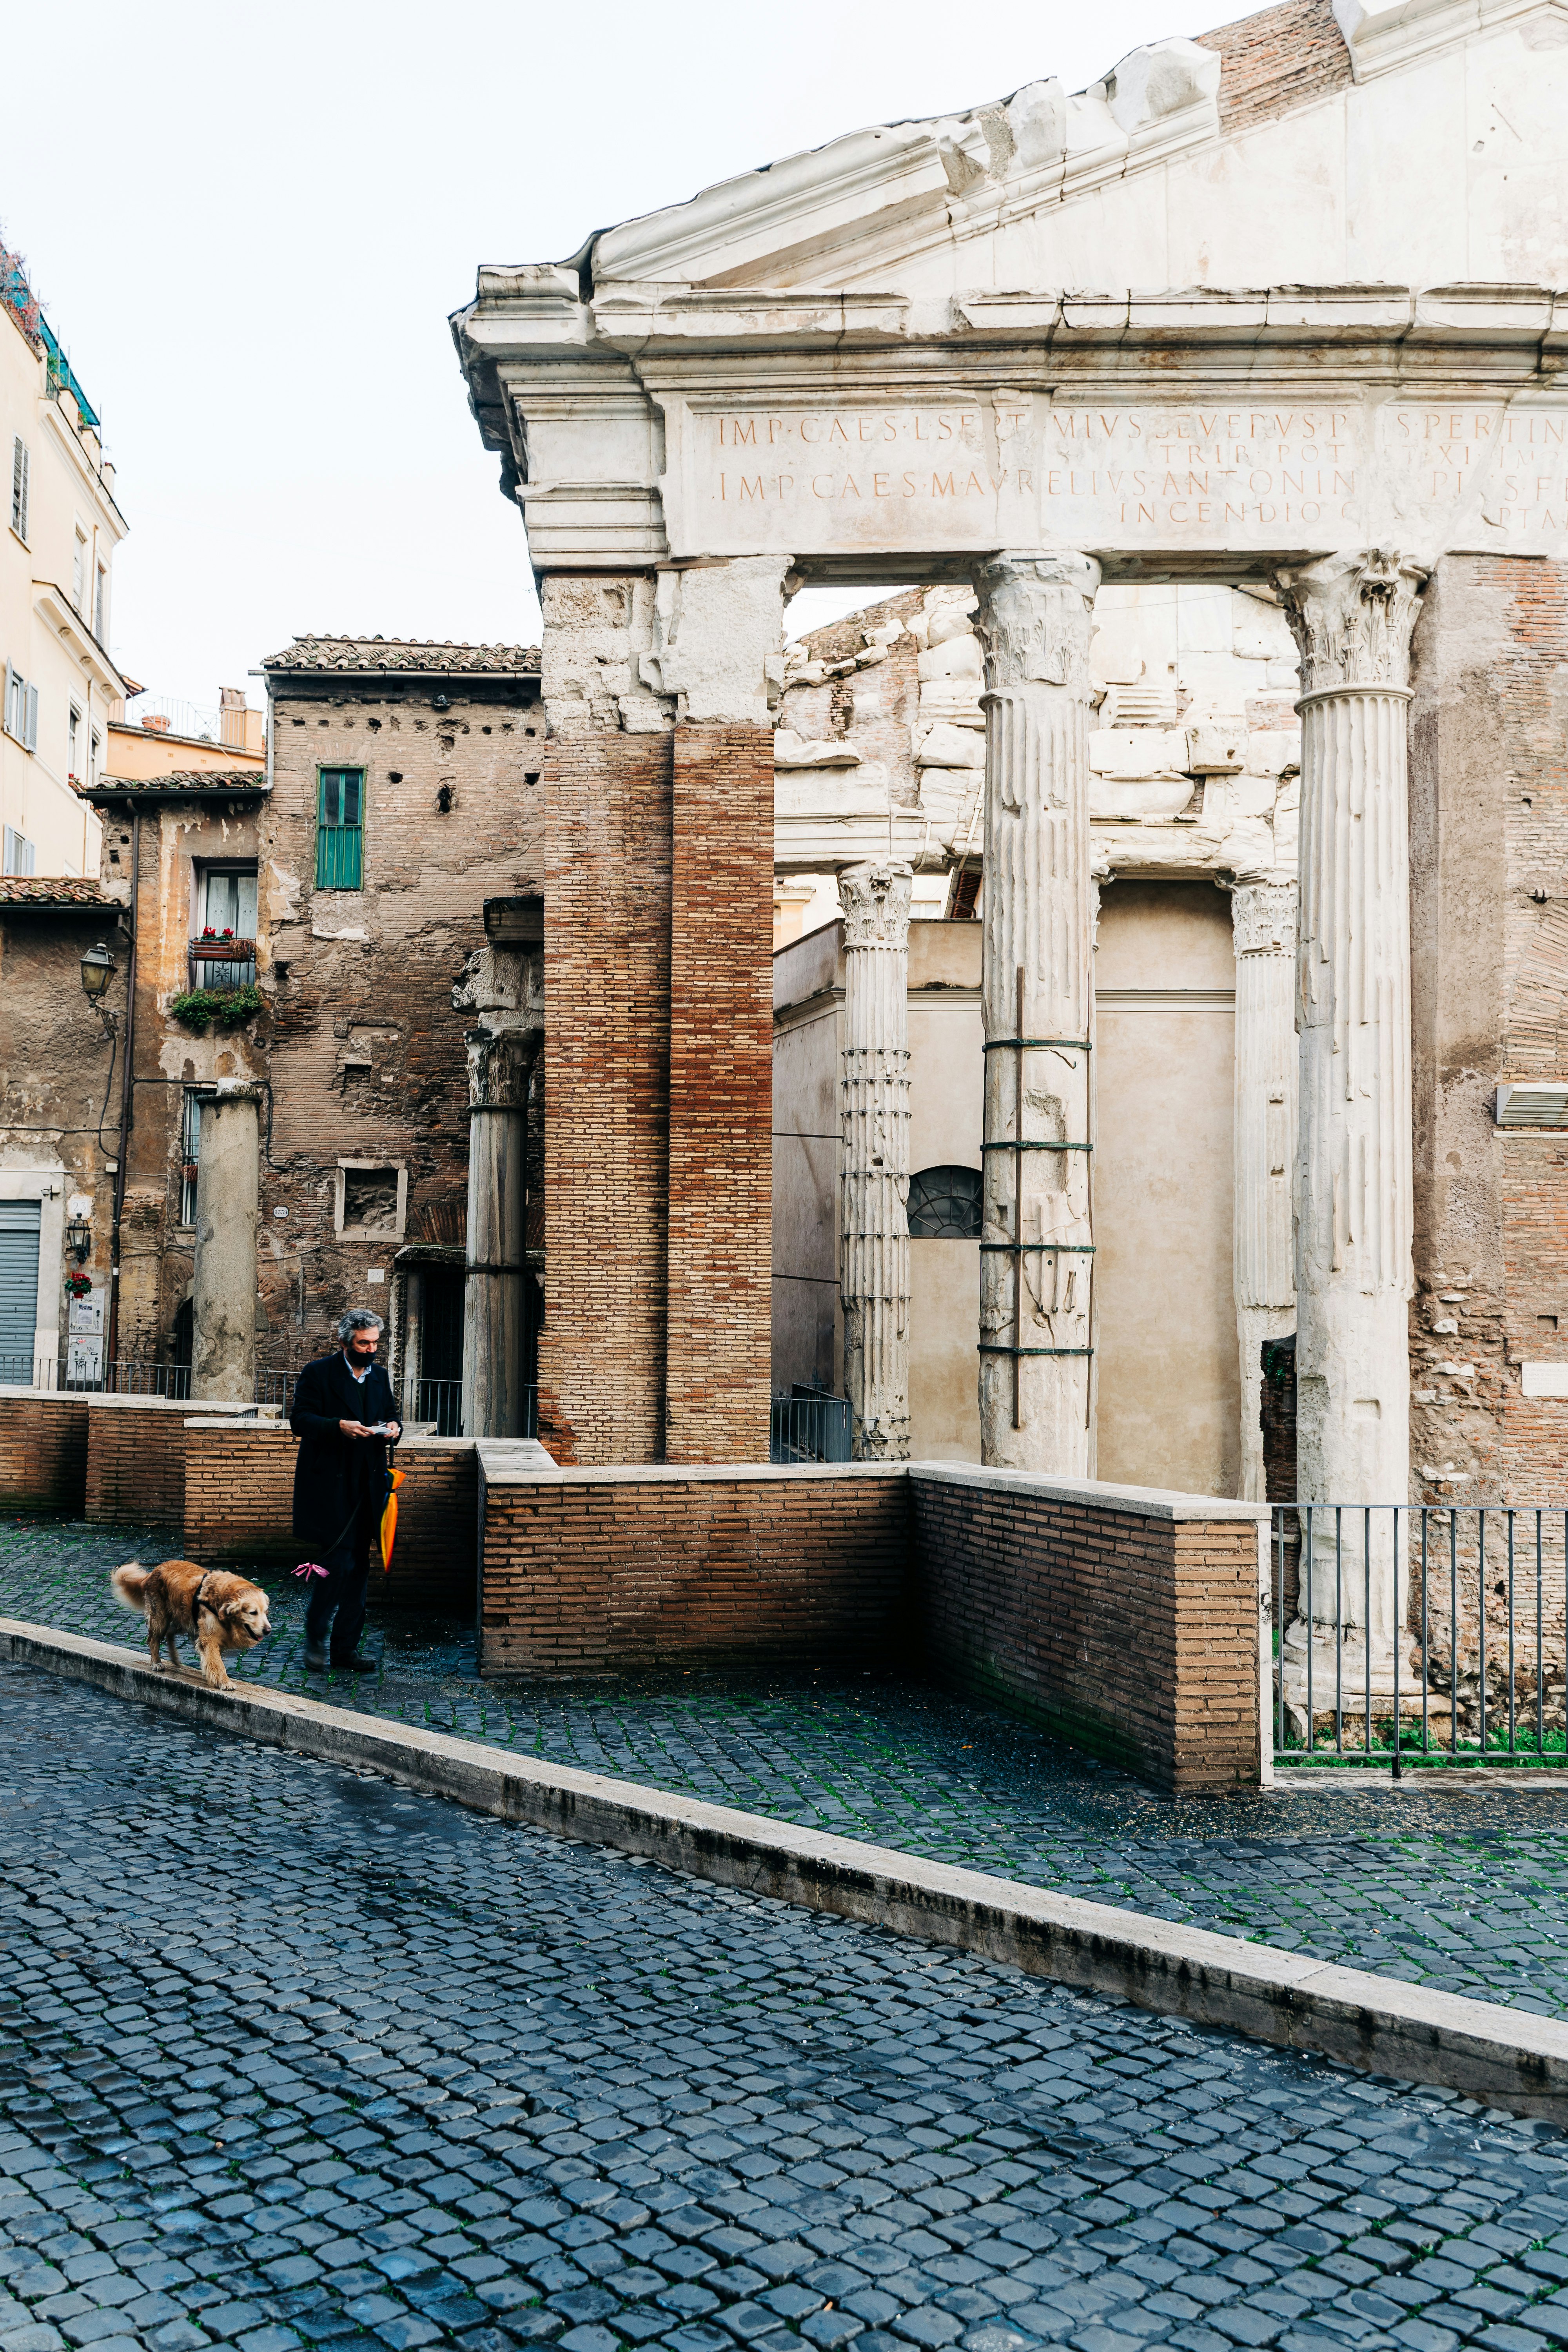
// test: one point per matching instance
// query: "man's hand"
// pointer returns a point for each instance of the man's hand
(394, 1430)
(353, 1429)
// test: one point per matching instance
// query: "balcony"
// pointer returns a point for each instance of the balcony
(222, 964)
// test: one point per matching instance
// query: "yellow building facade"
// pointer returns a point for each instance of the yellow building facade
(59, 527)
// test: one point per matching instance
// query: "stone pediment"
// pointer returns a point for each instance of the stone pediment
(1422, 142)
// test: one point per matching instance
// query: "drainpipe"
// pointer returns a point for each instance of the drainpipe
(111, 1345)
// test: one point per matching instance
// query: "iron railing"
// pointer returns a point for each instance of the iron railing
(440, 1401)
(1408, 1633)
(808, 1426)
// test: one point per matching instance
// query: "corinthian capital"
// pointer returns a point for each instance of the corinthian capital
(1036, 618)
(499, 1066)
(875, 901)
(1263, 917)
(1352, 617)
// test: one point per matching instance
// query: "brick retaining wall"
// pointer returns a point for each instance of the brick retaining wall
(136, 1458)
(43, 1451)
(1129, 1631)
(592, 1572)
(239, 1501)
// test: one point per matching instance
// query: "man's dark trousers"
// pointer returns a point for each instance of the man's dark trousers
(344, 1588)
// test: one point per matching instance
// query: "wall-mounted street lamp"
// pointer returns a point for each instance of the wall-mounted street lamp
(78, 1240)
(98, 969)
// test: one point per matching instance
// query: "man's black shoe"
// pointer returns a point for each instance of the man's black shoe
(355, 1666)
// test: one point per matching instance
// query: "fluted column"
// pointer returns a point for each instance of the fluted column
(1263, 925)
(493, 1305)
(1037, 1002)
(874, 1262)
(1353, 616)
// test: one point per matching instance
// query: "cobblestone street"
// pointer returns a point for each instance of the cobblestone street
(1463, 1893)
(293, 2057)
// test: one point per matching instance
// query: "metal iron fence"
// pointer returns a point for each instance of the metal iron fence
(1408, 1633)
(440, 1401)
(808, 1426)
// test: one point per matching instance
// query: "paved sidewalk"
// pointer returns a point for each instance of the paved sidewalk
(1465, 1893)
(292, 2057)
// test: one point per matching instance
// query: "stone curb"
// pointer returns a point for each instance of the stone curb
(1506, 2058)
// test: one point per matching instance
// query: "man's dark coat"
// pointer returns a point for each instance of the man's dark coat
(334, 1474)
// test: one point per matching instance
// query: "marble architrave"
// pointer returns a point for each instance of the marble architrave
(1038, 1004)
(874, 1255)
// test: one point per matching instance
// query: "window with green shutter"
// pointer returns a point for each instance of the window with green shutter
(340, 829)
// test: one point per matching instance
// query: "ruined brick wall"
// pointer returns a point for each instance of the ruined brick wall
(240, 1491)
(721, 1097)
(1489, 1002)
(43, 1451)
(606, 1078)
(599, 1574)
(1279, 58)
(1133, 1637)
(366, 1055)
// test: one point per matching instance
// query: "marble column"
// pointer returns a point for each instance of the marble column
(1038, 1001)
(874, 1256)
(493, 1303)
(223, 1290)
(1263, 924)
(1352, 617)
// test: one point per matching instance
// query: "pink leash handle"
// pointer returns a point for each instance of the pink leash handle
(307, 1569)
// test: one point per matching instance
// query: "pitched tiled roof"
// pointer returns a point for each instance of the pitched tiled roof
(361, 655)
(179, 785)
(47, 890)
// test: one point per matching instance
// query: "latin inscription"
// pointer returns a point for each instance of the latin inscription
(1010, 471)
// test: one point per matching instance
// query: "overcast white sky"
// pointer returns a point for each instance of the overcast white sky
(248, 226)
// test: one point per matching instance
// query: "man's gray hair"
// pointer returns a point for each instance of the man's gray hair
(358, 1318)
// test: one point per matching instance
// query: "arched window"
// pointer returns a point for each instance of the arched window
(945, 1205)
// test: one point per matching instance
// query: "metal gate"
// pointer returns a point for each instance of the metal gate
(1408, 1633)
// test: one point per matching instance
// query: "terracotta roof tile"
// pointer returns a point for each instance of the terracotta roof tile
(179, 785)
(360, 655)
(54, 890)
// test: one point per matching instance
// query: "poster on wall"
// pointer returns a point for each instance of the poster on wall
(84, 1340)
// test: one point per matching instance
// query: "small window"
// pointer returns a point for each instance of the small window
(93, 749)
(340, 829)
(21, 709)
(371, 1201)
(945, 1205)
(21, 475)
(21, 856)
(73, 744)
(79, 572)
(191, 1150)
(100, 606)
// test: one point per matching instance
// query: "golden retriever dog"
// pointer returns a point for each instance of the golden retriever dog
(222, 1611)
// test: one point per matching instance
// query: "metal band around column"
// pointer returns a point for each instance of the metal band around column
(1016, 1248)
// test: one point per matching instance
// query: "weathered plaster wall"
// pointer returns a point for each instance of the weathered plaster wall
(366, 1060)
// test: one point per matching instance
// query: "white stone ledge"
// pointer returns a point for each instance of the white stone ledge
(1509, 2058)
(517, 1463)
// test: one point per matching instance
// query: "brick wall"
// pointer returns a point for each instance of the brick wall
(606, 1075)
(721, 1097)
(1280, 59)
(239, 1500)
(43, 1451)
(1135, 1636)
(585, 1575)
(136, 1460)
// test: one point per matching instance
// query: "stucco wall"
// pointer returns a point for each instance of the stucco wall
(1169, 1385)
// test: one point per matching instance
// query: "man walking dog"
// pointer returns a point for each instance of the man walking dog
(343, 1414)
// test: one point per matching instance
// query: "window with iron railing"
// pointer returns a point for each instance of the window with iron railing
(223, 952)
(340, 829)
